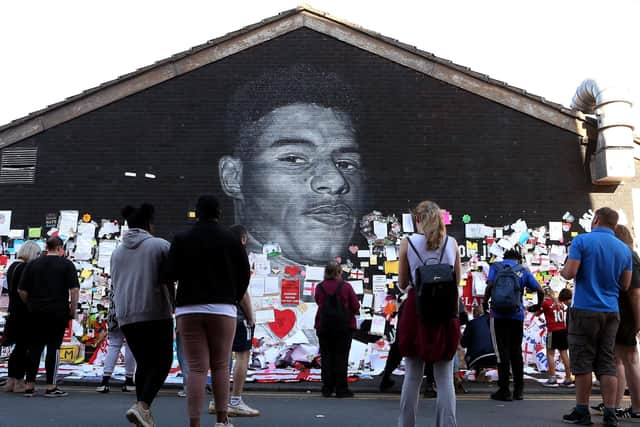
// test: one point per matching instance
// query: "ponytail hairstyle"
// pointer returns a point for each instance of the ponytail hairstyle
(428, 214)
(141, 217)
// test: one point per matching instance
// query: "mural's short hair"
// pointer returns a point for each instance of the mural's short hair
(278, 87)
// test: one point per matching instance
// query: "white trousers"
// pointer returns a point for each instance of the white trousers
(116, 340)
(445, 402)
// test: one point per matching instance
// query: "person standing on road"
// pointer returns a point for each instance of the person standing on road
(212, 270)
(601, 265)
(507, 320)
(334, 323)
(242, 341)
(16, 329)
(430, 243)
(47, 284)
(116, 340)
(143, 299)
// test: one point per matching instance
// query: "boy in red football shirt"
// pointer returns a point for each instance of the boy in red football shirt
(554, 314)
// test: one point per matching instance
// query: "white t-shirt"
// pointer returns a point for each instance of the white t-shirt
(229, 310)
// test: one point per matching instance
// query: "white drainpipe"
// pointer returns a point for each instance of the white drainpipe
(614, 156)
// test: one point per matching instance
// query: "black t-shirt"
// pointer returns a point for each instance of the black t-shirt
(48, 279)
(14, 274)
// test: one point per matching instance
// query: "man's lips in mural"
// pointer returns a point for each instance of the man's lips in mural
(331, 214)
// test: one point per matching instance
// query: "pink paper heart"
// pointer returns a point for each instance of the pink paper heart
(353, 249)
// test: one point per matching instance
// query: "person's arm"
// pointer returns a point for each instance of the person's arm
(487, 290)
(625, 280)
(457, 269)
(242, 270)
(634, 299)
(403, 266)
(73, 305)
(245, 305)
(466, 336)
(571, 267)
(24, 286)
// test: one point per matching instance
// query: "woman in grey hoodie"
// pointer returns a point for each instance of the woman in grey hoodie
(144, 307)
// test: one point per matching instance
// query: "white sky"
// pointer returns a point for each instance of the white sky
(51, 50)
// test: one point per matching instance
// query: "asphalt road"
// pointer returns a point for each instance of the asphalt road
(84, 407)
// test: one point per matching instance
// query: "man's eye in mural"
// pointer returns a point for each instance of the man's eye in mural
(348, 165)
(293, 159)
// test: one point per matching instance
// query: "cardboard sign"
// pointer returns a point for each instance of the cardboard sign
(290, 292)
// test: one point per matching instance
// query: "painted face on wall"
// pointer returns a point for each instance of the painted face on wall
(300, 183)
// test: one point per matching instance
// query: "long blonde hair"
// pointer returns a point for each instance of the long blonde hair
(430, 217)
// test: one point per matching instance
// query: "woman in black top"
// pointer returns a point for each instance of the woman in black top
(16, 327)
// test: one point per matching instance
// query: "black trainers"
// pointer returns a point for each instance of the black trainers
(56, 392)
(599, 407)
(502, 395)
(576, 417)
(518, 394)
(610, 420)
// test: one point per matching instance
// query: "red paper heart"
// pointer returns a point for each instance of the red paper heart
(353, 249)
(284, 322)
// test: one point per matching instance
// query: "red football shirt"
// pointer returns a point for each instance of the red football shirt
(554, 314)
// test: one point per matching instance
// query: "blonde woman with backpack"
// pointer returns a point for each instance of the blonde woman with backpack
(429, 334)
(335, 322)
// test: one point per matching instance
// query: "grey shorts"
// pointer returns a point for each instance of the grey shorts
(592, 339)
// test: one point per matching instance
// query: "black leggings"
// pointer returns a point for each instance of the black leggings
(334, 358)
(152, 346)
(46, 330)
(507, 334)
(18, 359)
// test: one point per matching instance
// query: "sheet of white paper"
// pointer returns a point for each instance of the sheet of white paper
(487, 231)
(557, 255)
(357, 286)
(556, 284)
(407, 223)
(265, 316)
(256, 286)
(555, 230)
(306, 318)
(108, 227)
(479, 284)
(379, 283)
(496, 250)
(358, 354)
(379, 301)
(390, 253)
(505, 244)
(499, 233)
(363, 253)
(5, 223)
(519, 226)
(272, 285)
(367, 300)
(16, 234)
(377, 325)
(261, 265)
(307, 288)
(297, 338)
(68, 223)
(105, 249)
(474, 231)
(380, 229)
(314, 274)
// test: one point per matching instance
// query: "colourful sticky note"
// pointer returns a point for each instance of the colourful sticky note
(85, 273)
(574, 233)
(373, 260)
(35, 232)
(191, 214)
(391, 267)
(392, 285)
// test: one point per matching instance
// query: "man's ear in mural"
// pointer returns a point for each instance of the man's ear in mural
(230, 172)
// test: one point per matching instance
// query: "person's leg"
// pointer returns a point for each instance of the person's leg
(620, 373)
(414, 371)
(220, 331)
(393, 360)
(182, 361)
(162, 348)
(137, 343)
(36, 343)
(631, 361)
(326, 367)
(564, 356)
(583, 388)
(500, 338)
(129, 362)
(605, 363)
(193, 338)
(343, 345)
(18, 360)
(240, 372)
(515, 354)
(446, 400)
(582, 330)
(551, 361)
(55, 334)
(609, 387)
(115, 339)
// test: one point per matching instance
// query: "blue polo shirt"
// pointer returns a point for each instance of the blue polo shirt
(603, 258)
(526, 281)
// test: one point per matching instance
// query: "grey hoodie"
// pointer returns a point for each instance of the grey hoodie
(136, 278)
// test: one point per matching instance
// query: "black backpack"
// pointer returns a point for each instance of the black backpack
(506, 292)
(334, 319)
(436, 289)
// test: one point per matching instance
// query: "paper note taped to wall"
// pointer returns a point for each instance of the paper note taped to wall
(407, 223)
(265, 316)
(380, 229)
(314, 274)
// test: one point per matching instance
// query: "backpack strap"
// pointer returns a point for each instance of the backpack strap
(415, 250)
(444, 247)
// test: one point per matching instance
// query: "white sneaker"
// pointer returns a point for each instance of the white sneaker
(242, 410)
(212, 407)
(551, 382)
(182, 393)
(140, 417)
(227, 424)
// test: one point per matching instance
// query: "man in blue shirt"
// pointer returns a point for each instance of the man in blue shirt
(507, 329)
(601, 265)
